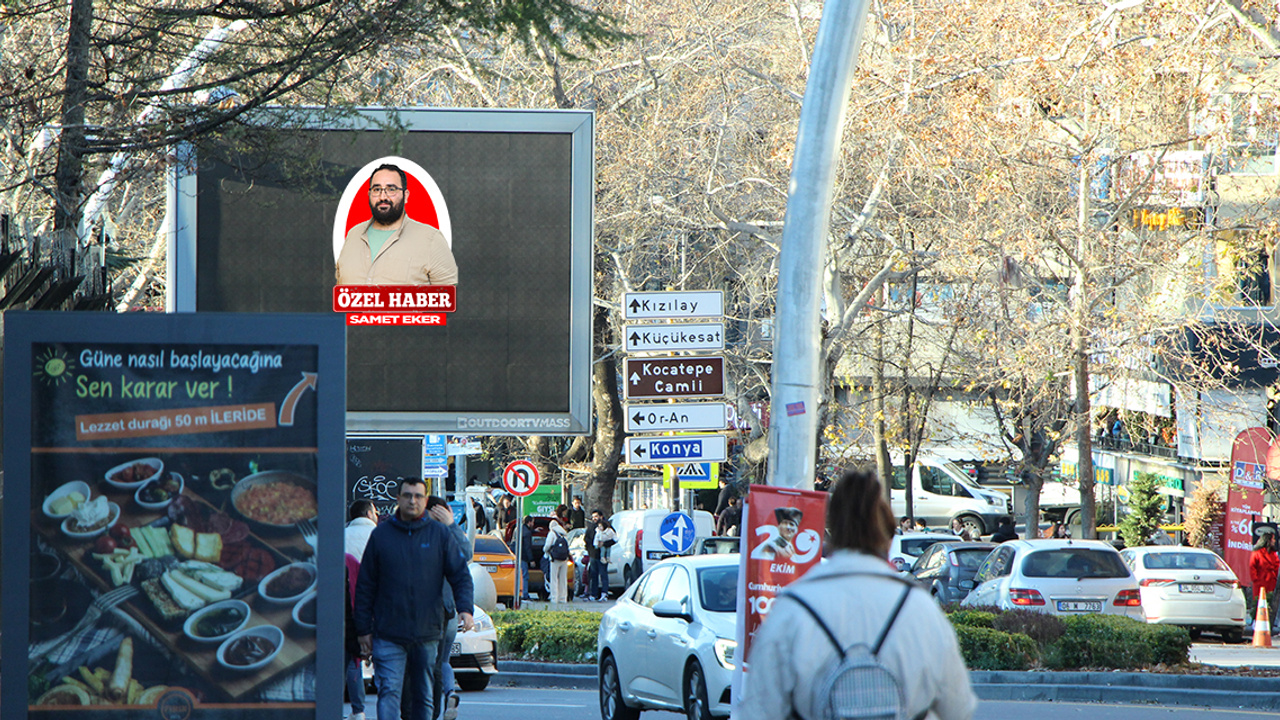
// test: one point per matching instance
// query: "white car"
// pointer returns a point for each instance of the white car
(1060, 577)
(474, 655)
(906, 547)
(668, 643)
(1190, 587)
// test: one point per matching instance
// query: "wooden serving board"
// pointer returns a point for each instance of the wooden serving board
(299, 643)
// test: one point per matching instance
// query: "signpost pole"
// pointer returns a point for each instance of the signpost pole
(675, 488)
(517, 534)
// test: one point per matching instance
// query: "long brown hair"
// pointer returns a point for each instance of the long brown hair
(858, 516)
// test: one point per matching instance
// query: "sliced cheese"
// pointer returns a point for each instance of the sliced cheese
(184, 597)
(199, 589)
(208, 547)
(184, 540)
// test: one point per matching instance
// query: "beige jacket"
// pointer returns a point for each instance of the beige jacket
(416, 254)
(790, 653)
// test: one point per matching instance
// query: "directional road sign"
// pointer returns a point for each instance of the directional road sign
(677, 416)
(676, 532)
(661, 378)
(678, 304)
(520, 478)
(677, 449)
(673, 337)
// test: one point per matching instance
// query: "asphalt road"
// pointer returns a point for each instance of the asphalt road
(497, 703)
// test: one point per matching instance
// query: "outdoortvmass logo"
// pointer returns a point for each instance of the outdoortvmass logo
(512, 423)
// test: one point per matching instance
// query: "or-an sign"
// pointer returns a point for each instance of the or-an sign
(520, 478)
(677, 416)
(671, 338)
(676, 532)
(678, 304)
(661, 378)
(672, 450)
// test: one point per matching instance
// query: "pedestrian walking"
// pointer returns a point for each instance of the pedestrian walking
(556, 549)
(606, 537)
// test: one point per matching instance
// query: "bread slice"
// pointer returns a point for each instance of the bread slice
(208, 547)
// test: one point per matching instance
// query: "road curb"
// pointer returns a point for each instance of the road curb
(1102, 687)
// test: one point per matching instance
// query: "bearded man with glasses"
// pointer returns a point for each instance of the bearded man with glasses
(391, 248)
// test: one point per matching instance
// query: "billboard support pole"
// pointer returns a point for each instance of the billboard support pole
(796, 349)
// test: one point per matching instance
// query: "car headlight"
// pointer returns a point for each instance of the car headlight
(725, 650)
(999, 501)
(481, 622)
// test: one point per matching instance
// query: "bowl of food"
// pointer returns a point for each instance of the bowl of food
(135, 473)
(156, 494)
(91, 519)
(304, 611)
(275, 499)
(251, 648)
(216, 622)
(65, 694)
(286, 585)
(66, 498)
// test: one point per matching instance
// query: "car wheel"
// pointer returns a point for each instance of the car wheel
(611, 705)
(626, 576)
(472, 682)
(1073, 518)
(696, 706)
(973, 525)
(1234, 636)
(1194, 633)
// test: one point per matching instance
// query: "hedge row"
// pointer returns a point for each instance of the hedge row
(1021, 639)
(555, 636)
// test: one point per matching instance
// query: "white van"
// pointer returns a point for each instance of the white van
(941, 491)
(639, 541)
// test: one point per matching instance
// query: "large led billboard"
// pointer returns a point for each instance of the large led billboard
(504, 196)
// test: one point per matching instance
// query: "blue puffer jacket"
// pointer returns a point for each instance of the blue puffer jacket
(399, 595)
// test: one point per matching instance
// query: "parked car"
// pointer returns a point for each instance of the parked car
(1189, 587)
(491, 553)
(942, 491)
(1060, 577)
(474, 655)
(668, 642)
(947, 568)
(640, 542)
(907, 547)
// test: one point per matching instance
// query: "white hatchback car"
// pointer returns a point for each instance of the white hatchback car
(1060, 577)
(668, 643)
(907, 547)
(1190, 587)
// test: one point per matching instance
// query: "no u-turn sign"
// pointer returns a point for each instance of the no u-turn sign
(520, 478)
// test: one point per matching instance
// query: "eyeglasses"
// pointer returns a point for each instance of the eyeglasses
(388, 191)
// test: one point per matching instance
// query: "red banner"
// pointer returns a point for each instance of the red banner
(1244, 498)
(394, 298)
(783, 535)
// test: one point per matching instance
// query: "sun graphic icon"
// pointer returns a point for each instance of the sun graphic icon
(53, 366)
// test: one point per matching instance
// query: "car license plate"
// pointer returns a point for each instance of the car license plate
(657, 555)
(492, 569)
(1195, 588)
(456, 650)
(1080, 606)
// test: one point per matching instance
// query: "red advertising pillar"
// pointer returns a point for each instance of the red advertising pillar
(1244, 498)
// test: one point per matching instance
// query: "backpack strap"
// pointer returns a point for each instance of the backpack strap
(884, 632)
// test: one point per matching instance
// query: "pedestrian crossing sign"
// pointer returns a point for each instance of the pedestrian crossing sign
(693, 476)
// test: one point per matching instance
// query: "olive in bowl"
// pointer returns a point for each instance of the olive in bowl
(156, 494)
(251, 649)
(216, 622)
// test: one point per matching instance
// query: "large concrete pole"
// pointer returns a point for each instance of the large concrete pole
(797, 345)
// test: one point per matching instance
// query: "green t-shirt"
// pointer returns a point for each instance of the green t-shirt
(377, 238)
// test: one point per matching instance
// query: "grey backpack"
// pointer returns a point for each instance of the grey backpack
(858, 686)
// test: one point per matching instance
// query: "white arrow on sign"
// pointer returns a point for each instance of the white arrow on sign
(677, 416)
(675, 537)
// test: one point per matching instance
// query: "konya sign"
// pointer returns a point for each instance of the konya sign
(660, 378)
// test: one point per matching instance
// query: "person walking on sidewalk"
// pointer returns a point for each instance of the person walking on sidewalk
(557, 542)
(590, 590)
(399, 604)
(605, 539)
(1264, 567)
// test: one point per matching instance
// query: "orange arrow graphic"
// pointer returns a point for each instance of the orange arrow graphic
(308, 382)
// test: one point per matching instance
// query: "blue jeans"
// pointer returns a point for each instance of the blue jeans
(601, 579)
(355, 683)
(524, 580)
(390, 661)
(593, 575)
(444, 670)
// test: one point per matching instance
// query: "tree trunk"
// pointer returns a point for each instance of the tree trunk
(607, 450)
(884, 465)
(1080, 348)
(71, 148)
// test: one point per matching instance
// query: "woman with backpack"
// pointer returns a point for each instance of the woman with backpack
(860, 626)
(556, 548)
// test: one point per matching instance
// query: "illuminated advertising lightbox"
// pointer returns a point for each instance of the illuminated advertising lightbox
(456, 244)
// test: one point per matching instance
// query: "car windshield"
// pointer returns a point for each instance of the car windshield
(718, 587)
(1182, 561)
(915, 547)
(1074, 562)
(971, 558)
(490, 546)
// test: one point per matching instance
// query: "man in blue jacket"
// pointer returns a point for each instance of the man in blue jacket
(400, 609)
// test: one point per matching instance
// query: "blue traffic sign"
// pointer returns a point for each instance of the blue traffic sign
(676, 532)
